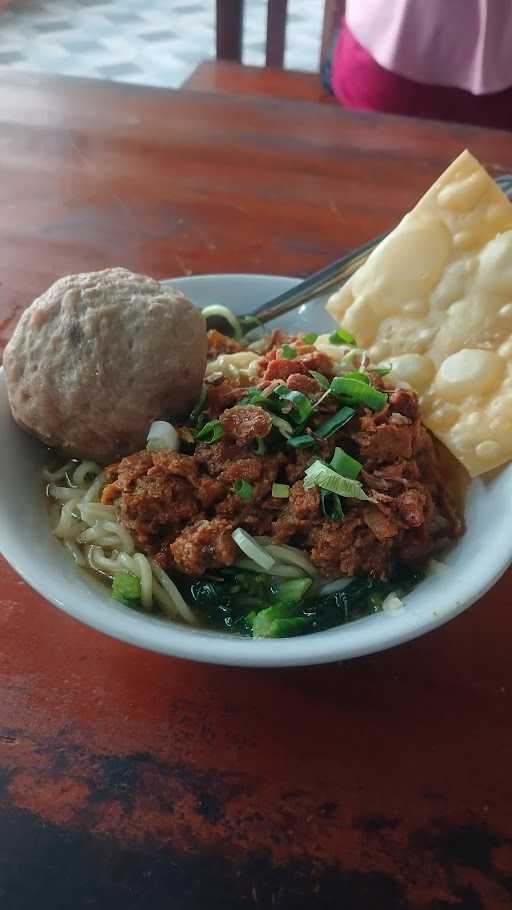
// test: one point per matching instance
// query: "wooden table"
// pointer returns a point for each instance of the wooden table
(129, 780)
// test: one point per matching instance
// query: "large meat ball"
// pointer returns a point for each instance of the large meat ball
(98, 357)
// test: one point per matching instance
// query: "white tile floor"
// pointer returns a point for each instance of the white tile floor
(157, 43)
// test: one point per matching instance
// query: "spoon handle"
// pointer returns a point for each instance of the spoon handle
(333, 275)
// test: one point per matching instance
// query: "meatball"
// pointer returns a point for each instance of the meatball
(98, 357)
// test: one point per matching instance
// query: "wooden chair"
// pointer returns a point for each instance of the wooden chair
(226, 75)
(230, 27)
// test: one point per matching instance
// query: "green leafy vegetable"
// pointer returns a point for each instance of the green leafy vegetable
(335, 422)
(309, 337)
(236, 599)
(243, 489)
(357, 392)
(345, 465)
(212, 432)
(279, 622)
(361, 597)
(340, 336)
(288, 352)
(320, 475)
(126, 589)
(291, 592)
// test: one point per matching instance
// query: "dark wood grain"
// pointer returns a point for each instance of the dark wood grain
(128, 780)
(276, 32)
(224, 77)
(229, 22)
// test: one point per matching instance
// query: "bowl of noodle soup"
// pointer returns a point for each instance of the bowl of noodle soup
(29, 544)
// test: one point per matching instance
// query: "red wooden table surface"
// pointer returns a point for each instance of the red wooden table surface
(129, 780)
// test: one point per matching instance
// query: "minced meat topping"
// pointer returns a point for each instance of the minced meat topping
(182, 508)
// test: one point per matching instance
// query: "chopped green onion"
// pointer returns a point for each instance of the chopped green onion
(358, 377)
(280, 490)
(288, 352)
(243, 489)
(300, 402)
(252, 549)
(211, 432)
(345, 465)
(381, 371)
(309, 338)
(198, 408)
(216, 315)
(254, 396)
(320, 475)
(340, 336)
(335, 422)
(331, 505)
(323, 382)
(282, 425)
(258, 446)
(359, 393)
(301, 442)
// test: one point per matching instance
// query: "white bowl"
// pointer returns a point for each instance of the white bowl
(472, 567)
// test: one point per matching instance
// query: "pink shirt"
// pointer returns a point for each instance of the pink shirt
(462, 43)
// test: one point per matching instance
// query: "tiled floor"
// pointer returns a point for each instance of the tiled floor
(157, 43)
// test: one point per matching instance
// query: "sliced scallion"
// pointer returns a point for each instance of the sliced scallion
(335, 422)
(341, 336)
(199, 407)
(280, 490)
(217, 315)
(359, 393)
(331, 505)
(301, 442)
(323, 382)
(301, 404)
(252, 549)
(358, 377)
(243, 489)
(282, 425)
(288, 352)
(259, 446)
(211, 432)
(320, 475)
(345, 465)
(381, 371)
(309, 338)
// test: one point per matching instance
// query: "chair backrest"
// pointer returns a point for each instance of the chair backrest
(230, 28)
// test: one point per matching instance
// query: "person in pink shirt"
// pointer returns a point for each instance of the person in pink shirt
(443, 59)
